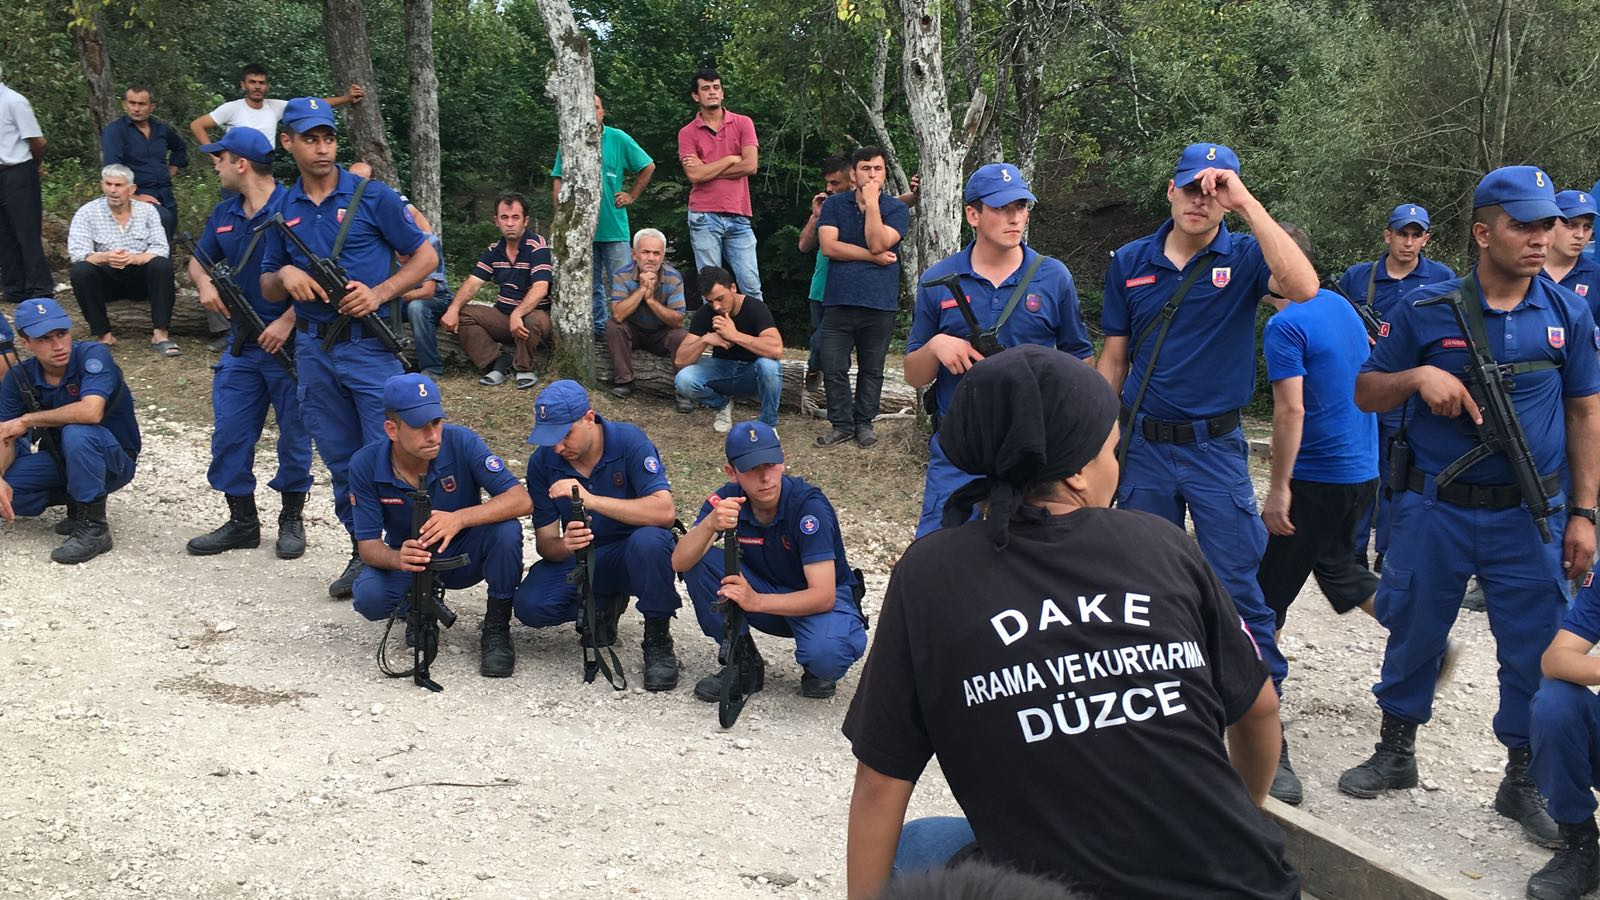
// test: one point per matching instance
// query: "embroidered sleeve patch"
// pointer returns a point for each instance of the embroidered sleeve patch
(809, 524)
(494, 463)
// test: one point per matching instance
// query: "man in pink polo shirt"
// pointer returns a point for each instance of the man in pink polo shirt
(718, 149)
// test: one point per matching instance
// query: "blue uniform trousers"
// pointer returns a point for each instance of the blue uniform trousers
(640, 566)
(1436, 547)
(1211, 479)
(241, 390)
(1376, 516)
(96, 466)
(825, 644)
(495, 554)
(341, 403)
(943, 479)
(1566, 749)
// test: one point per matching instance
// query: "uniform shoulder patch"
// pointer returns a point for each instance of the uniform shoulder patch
(494, 463)
(652, 465)
(809, 524)
(93, 366)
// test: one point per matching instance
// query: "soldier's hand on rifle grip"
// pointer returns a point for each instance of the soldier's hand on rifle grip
(359, 300)
(414, 557)
(212, 301)
(725, 517)
(577, 536)
(11, 429)
(1445, 394)
(275, 335)
(301, 286)
(1577, 547)
(736, 590)
(957, 355)
(441, 528)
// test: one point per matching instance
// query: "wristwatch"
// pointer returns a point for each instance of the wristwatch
(1587, 512)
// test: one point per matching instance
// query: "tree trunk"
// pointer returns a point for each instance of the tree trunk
(939, 154)
(344, 32)
(424, 84)
(569, 81)
(88, 40)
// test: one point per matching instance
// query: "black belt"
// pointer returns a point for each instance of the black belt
(1479, 496)
(1161, 432)
(317, 329)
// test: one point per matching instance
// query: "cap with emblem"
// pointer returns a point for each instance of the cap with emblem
(305, 113)
(998, 184)
(1196, 158)
(1575, 203)
(559, 406)
(38, 317)
(246, 142)
(1526, 193)
(753, 443)
(1409, 214)
(414, 398)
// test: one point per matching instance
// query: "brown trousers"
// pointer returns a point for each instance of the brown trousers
(622, 338)
(484, 328)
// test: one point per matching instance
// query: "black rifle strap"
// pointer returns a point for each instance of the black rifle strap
(1372, 277)
(1164, 321)
(1016, 295)
(250, 248)
(349, 219)
(1472, 312)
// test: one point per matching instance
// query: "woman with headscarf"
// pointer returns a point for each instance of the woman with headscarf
(1073, 667)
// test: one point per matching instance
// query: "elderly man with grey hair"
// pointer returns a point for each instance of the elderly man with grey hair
(647, 308)
(119, 250)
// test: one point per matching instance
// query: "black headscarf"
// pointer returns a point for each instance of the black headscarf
(1029, 414)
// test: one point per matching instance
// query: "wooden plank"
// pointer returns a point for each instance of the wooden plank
(1336, 865)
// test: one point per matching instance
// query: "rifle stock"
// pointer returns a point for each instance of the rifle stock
(247, 324)
(597, 635)
(733, 649)
(424, 604)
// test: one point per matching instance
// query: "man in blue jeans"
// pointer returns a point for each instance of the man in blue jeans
(425, 304)
(719, 153)
(745, 349)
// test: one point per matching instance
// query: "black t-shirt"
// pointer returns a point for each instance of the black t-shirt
(1075, 687)
(752, 319)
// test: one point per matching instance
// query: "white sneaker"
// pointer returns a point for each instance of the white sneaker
(724, 423)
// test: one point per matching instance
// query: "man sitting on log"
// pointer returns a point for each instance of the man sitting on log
(647, 308)
(745, 352)
(519, 265)
(119, 249)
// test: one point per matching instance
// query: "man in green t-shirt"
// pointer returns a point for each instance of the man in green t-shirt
(620, 157)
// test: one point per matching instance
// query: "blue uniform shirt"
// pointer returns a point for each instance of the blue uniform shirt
(804, 531)
(629, 468)
(148, 157)
(1207, 366)
(1584, 280)
(1048, 314)
(383, 227)
(91, 372)
(228, 232)
(1323, 342)
(856, 282)
(1583, 617)
(1387, 291)
(457, 477)
(1549, 324)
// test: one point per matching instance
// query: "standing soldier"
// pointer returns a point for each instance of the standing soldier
(1475, 522)
(1566, 264)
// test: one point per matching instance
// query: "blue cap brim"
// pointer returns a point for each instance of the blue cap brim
(43, 327)
(1574, 212)
(418, 416)
(744, 462)
(548, 434)
(1005, 196)
(1531, 210)
(1398, 223)
(212, 148)
(301, 126)
(1186, 177)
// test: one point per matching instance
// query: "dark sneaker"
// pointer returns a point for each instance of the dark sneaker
(683, 404)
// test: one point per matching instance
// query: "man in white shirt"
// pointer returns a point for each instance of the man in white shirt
(255, 109)
(118, 250)
(24, 271)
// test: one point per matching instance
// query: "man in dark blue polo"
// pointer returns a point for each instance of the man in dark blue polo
(151, 148)
(1020, 295)
(1185, 449)
(456, 468)
(247, 383)
(859, 232)
(1379, 285)
(625, 493)
(1476, 523)
(1566, 263)
(341, 391)
(793, 581)
(87, 405)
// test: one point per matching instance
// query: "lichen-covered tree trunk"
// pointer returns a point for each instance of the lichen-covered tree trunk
(88, 41)
(939, 153)
(569, 82)
(344, 32)
(424, 84)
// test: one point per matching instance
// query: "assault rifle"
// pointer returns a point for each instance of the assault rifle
(332, 278)
(424, 605)
(597, 632)
(982, 341)
(45, 439)
(1501, 431)
(247, 325)
(734, 649)
(1370, 320)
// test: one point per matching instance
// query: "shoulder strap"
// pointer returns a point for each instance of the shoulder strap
(1164, 321)
(349, 219)
(1372, 277)
(1019, 293)
(1472, 312)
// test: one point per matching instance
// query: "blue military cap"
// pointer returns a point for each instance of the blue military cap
(754, 443)
(1197, 158)
(40, 316)
(305, 113)
(1526, 193)
(246, 142)
(414, 398)
(1575, 203)
(558, 406)
(998, 184)
(1409, 214)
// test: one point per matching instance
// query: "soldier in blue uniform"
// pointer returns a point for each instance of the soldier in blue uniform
(456, 468)
(246, 384)
(88, 404)
(996, 268)
(1185, 448)
(340, 393)
(794, 580)
(1477, 524)
(1566, 264)
(624, 488)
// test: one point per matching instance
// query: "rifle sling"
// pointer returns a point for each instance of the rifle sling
(1163, 320)
(1372, 277)
(349, 219)
(1017, 294)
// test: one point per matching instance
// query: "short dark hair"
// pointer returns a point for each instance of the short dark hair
(711, 276)
(260, 168)
(839, 162)
(139, 87)
(972, 878)
(506, 198)
(255, 69)
(706, 74)
(1297, 233)
(866, 154)
(1488, 215)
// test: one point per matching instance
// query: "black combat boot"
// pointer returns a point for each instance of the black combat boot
(497, 658)
(813, 687)
(1393, 766)
(68, 525)
(660, 664)
(754, 672)
(291, 526)
(1574, 870)
(89, 539)
(1519, 799)
(345, 584)
(242, 531)
(1286, 784)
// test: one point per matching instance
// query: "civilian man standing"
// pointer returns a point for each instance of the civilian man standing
(718, 149)
(255, 109)
(151, 148)
(24, 271)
